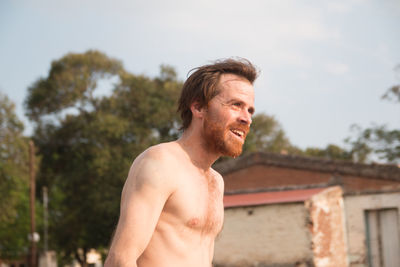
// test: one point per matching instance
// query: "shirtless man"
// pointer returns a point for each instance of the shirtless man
(171, 205)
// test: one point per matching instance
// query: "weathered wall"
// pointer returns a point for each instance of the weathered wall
(269, 235)
(268, 172)
(355, 206)
(328, 228)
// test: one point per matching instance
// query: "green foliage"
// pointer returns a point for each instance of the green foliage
(85, 165)
(378, 141)
(149, 105)
(393, 93)
(14, 183)
(375, 141)
(70, 83)
(331, 151)
(266, 134)
(86, 154)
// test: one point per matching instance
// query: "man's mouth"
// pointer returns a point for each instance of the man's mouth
(239, 133)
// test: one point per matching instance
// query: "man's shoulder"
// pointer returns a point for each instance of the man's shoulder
(155, 166)
(159, 159)
(218, 178)
(162, 153)
(216, 174)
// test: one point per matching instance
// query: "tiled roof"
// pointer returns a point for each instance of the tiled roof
(390, 172)
(254, 199)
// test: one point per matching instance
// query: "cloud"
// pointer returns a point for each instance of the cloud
(278, 31)
(336, 68)
(344, 6)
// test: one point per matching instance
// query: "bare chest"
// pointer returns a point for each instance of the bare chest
(198, 205)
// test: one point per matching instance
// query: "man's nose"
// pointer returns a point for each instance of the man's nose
(245, 117)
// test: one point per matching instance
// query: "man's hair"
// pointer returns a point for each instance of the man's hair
(202, 84)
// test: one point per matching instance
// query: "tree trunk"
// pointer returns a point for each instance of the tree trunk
(81, 257)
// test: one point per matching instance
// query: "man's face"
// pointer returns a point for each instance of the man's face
(228, 116)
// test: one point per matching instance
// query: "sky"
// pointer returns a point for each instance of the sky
(324, 64)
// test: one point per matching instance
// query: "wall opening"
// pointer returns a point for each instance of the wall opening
(383, 237)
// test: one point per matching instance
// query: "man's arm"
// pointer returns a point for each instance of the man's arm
(145, 192)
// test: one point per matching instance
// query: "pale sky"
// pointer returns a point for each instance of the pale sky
(324, 64)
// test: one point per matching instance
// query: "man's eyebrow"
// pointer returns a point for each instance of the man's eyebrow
(250, 109)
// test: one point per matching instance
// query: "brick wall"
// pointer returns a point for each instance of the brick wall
(259, 177)
(268, 235)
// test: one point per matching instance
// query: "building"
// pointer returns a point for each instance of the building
(286, 210)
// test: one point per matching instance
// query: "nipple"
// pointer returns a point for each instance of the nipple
(193, 222)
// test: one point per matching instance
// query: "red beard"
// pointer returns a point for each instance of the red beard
(219, 139)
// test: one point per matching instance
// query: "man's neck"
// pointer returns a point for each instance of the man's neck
(197, 150)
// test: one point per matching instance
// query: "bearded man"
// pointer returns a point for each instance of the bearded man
(172, 201)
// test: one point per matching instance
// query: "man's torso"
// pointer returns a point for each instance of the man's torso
(191, 218)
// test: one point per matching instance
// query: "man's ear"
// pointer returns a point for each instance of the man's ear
(197, 110)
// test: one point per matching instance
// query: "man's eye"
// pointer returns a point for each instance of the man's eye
(237, 104)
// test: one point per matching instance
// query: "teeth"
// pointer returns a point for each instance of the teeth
(238, 132)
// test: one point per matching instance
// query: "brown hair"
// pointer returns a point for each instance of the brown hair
(202, 84)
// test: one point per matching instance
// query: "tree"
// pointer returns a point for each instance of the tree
(71, 153)
(266, 134)
(86, 154)
(393, 93)
(14, 183)
(332, 152)
(70, 84)
(378, 141)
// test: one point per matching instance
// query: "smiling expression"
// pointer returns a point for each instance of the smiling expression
(228, 116)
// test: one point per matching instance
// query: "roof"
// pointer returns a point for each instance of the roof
(255, 199)
(383, 171)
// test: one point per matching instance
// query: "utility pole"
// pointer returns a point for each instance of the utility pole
(46, 218)
(32, 202)
(45, 213)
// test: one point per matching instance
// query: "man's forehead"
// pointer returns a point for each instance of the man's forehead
(229, 82)
(230, 90)
(229, 77)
